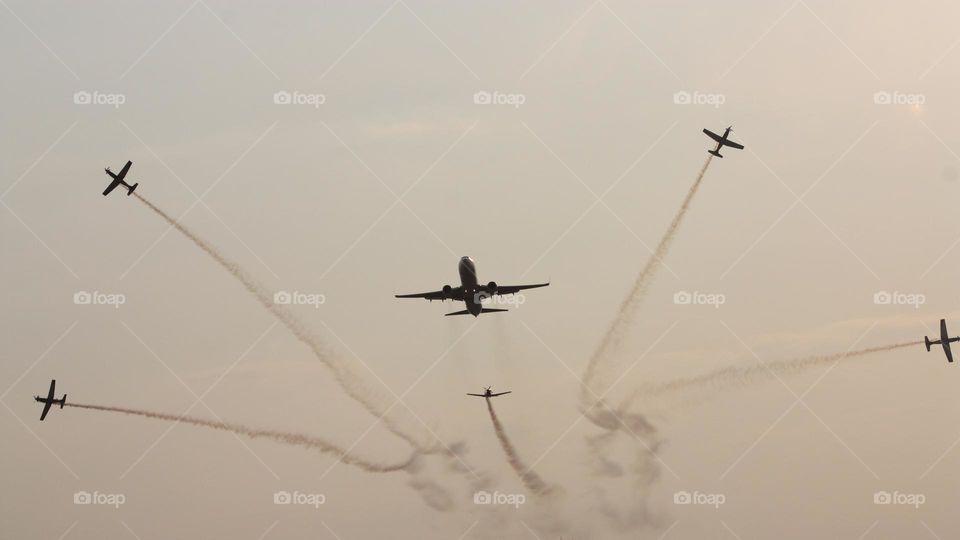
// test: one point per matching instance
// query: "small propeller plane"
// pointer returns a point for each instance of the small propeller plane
(118, 179)
(50, 400)
(945, 340)
(722, 140)
(488, 394)
(470, 292)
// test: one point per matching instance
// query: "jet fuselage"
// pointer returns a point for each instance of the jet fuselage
(468, 279)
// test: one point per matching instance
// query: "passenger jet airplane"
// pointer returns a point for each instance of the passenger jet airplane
(470, 292)
(118, 179)
(50, 400)
(722, 140)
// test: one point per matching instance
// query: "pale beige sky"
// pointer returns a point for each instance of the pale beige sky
(846, 189)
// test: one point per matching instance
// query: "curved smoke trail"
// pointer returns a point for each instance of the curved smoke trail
(624, 320)
(347, 380)
(293, 439)
(742, 375)
(530, 479)
(646, 466)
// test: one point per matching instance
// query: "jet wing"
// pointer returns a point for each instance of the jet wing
(46, 409)
(500, 393)
(123, 172)
(455, 294)
(478, 395)
(946, 350)
(112, 186)
(53, 384)
(732, 144)
(944, 337)
(713, 135)
(511, 289)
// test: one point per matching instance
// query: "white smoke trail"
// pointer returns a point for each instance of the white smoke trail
(347, 380)
(293, 439)
(624, 319)
(737, 376)
(530, 479)
(645, 467)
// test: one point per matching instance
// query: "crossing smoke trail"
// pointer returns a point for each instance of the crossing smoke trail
(646, 465)
(624, 319)
(645, 470)
(742, 375)
(350, 383)
(293, 439)
(530, 479)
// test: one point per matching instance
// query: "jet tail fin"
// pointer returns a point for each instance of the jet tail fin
(133, 187)
(926, 342)
(63, 401)
(714, 152)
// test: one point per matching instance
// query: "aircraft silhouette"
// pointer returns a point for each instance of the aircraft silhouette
(470, 292)
(488, 394)
(945, 340)
(118, 179)
(722, 140)
(50, 400)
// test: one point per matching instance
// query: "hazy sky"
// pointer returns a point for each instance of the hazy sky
(844, 196)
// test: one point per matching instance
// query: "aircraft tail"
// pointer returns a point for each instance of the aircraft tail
(133, 187)
(63, 401)
(714, 152)
(926, 342)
